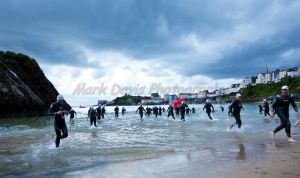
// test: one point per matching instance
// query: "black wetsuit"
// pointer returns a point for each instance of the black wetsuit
(177, 110)
(208, 107)
(281, 106)
(93, 116)
(159, 111)
(155, 111)
(103, 112)
(182, 110)
(123, 111)
(170, 111)
(266, 108)
(193, 110)
(98, 110)
(148, 111)
(260, 109)
(116, 111)
(72, 115)
(141, 110)
(222, 108)
(188, 110)
(59, 120)
(235, 109)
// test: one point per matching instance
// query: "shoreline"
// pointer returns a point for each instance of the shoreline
(277, 158)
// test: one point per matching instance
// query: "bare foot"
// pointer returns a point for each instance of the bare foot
(273, 135)
(297, 123)
(290, 139)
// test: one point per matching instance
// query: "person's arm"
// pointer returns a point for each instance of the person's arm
(213, 109)
(230, 109)
(294, 104)
(51, 111)
(274, 106)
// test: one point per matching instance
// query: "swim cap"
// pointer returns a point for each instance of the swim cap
(284, 87)
(60, 97)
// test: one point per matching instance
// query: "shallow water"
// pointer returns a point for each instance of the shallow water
(27, 145)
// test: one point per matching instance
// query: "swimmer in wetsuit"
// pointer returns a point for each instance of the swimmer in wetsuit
(209, 108)
(58, 109)
(235, 110)
(281, 106)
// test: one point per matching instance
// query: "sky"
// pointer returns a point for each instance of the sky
(101, 49)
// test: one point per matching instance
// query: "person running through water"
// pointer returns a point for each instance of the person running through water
(159, 111)
(170, 111)
(187, 110)
(123, 111)
(72, 114)
(163, 109)
(209, 108)
(148, 111)
(93, 116)
(266, 107)
(182, 110)
(235, 110)
(103, 110)
(141, 111)
(116, 111)
(281, 106)
(155, 111)
(98, 111)
(260, 108)
(222, 108)
(58, 109)
(177, 110)
(193, 110)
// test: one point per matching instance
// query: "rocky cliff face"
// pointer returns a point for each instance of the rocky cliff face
(24, 89)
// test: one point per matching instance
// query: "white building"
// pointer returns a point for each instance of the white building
(275, 76)
(282, 74)
(260, 79)
(188, 95)
(202, 94)
(268, 78)
(247, 80)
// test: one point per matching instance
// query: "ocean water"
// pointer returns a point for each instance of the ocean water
(130, 147)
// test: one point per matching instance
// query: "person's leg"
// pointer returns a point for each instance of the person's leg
(208, 113)
(238, 120)
(95, 122)
(58, 135)
(65, 132)
(283, 122)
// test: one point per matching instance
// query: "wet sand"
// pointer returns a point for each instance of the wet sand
(282, 161)
(277, 158)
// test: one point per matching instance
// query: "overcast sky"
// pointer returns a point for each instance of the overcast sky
(134, 43)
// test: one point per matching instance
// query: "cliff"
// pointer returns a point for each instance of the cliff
(24, 89)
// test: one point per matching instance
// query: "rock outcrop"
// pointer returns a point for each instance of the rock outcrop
(24, 89)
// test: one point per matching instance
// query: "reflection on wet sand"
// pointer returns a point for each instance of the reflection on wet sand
(241, 155)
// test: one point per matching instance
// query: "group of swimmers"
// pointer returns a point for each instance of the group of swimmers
(280, 106)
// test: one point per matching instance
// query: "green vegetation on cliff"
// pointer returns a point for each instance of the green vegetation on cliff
(129, 100)
(258, 91)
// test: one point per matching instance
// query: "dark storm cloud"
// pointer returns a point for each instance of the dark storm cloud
(54, 32)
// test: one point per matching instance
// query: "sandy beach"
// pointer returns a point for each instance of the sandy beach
(277, 158)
